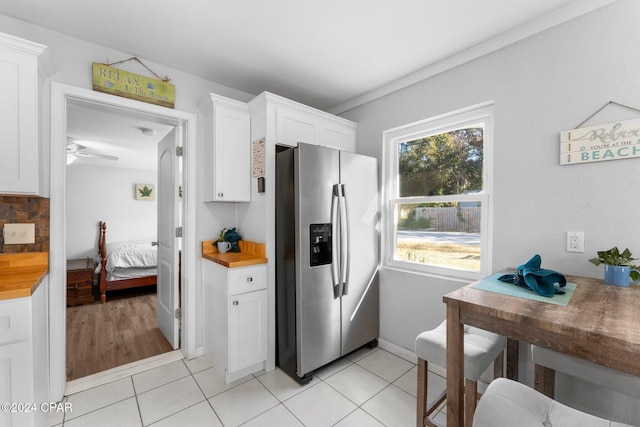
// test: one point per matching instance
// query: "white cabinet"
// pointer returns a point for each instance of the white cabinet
(247, 330)
(235, 310)
(19, 115)
(299, 123)
(24, 364)
(227, 162)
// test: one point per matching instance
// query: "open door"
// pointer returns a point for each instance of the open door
(168, 222)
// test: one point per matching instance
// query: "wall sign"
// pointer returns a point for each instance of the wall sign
(258, 157)
(613, 141)
(129, 85)
(145, 192)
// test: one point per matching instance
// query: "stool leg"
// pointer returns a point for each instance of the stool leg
(470, 401)
(545, 380)
(421, 413)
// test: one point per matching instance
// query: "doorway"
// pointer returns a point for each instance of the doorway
(61, 97)
(114, 180)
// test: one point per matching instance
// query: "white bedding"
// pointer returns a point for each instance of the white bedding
(135, 255)
(130, 273)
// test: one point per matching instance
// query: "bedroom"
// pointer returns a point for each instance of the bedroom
(106, 208)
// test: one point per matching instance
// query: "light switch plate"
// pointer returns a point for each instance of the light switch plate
(16, 234)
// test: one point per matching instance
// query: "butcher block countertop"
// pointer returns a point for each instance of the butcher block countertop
(251, 253)
(22, 273)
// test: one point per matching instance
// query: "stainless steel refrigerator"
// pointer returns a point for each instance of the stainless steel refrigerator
(327, 237)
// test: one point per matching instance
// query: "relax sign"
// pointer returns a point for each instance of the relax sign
(129, 85)
(599, 143)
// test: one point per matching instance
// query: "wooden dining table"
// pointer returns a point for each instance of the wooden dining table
(600, 323)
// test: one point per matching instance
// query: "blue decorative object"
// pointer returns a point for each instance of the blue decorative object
(233, 237)
(541, 281)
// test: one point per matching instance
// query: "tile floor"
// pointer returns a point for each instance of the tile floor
(371, 387)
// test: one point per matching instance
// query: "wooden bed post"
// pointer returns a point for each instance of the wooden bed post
(102, 251)
(107, 283)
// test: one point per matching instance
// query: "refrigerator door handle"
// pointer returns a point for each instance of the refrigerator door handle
(335, 261)
(345, 244)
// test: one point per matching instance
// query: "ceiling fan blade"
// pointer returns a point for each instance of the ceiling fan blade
(95, 155)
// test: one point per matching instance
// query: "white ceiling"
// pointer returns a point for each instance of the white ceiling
(114, 132)
(329, 54)
(324, 53)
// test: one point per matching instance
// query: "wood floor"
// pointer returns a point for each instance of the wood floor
(123, 330)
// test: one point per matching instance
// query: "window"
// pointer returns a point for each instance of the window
(438, 181)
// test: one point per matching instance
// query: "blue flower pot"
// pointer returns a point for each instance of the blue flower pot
(618, 275)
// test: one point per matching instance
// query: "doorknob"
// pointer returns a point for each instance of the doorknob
(154, 243)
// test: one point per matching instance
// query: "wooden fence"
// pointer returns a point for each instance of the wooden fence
(465, 219)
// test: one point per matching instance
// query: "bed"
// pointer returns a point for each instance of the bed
(124, 265)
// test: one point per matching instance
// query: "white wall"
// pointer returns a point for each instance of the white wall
(68, 60)
(541, 86)
(98, 193)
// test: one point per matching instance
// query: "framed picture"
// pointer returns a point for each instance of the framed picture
(145, 192)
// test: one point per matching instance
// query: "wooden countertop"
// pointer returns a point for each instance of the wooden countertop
(22, 273)
(251, 253)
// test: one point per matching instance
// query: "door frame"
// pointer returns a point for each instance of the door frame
(60, 94)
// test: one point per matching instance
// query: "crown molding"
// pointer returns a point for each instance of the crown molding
(557, 17)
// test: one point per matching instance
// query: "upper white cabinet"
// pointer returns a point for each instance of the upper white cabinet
(296, 122)
(227, 127)
(19, 115)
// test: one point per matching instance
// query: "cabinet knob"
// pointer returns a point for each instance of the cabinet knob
(220, 194)
(249, 279)
(235, 303)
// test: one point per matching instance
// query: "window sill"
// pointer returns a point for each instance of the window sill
(466, 279)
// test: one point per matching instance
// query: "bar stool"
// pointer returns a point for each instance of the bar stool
(480, 349)
(508, 403)
(548, 361)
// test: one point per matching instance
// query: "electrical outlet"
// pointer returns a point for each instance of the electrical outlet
(575, 241)
(15, 234)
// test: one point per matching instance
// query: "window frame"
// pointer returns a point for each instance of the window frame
(477, 114)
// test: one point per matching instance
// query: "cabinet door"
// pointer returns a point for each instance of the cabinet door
(232, 174)
(340, 137)
(293, 127)
(16, 382)
(247, 330)
(18, 118)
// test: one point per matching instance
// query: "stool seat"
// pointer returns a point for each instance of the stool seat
(508, 403)
(480, 348)
(591, 372)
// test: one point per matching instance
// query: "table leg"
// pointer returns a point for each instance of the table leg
(512, 359)
(455, 366)
(544, 380)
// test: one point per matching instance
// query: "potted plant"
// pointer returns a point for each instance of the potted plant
(618, 267)
(222, 243)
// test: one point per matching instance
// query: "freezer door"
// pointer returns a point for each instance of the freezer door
(318, 307)
(360, 300)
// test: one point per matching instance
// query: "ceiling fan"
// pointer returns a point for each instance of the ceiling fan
(76, 150)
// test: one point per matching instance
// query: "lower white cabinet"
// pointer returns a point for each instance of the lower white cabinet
(24, 364)
(235, 315)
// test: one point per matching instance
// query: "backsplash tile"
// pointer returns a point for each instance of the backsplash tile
(25, 209)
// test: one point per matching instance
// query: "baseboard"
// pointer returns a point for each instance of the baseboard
(408, 355)
(120, 372)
